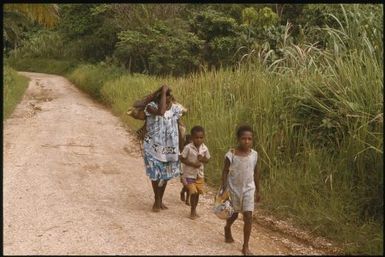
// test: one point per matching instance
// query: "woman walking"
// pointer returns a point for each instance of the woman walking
(161, 143)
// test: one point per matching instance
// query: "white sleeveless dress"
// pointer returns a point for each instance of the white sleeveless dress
(240, 180)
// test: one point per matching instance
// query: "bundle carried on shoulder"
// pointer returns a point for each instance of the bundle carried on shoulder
(137, 109)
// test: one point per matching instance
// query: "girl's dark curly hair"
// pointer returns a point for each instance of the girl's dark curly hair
(242, 129)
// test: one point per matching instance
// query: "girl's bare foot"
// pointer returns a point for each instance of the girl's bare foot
(228, 237)
(163, 207)
(187, 202)
(182, 198)
(246, 251)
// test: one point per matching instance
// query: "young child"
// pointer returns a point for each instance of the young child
(184, 195)
(194, 156)
(240, 178)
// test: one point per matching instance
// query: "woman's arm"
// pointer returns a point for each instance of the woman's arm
(162, 104)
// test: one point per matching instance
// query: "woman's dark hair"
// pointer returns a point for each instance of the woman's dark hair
(159, 95)
(242, 129)
(196, 129)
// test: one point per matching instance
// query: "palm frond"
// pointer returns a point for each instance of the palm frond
(45, 14)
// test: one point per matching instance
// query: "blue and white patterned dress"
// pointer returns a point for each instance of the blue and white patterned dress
(161, 143)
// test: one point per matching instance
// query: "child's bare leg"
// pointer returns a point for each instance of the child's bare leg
(194, 203)
(247, 217)
(188, 197)
(182, 194)
(161, 192)
(229, 222)
(156, 206)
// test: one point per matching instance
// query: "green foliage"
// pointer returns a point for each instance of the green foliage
(14, 86)
(51, 66)
(220, 33)
(42, 44)
(263, 18)
(249, 16)
(14, 25)
(159, 50)
(76, 20)
(290, 13)
(210, 24)
(89, 33)
(19, 17)
(260, 26)
(136, 16)
(232, 10)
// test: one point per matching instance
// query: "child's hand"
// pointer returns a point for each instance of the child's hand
(197, 165)
(202, 158)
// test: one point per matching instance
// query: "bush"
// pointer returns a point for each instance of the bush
(159, 50)
(221, 34)
(52, 66)
(42, 44)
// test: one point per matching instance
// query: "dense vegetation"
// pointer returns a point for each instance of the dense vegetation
(308, 78)
(14, 86)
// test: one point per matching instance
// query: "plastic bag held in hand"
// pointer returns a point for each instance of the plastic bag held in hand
(222, 205)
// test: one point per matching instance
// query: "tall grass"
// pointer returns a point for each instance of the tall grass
(319, 136)
(14, 86)
(90, 78)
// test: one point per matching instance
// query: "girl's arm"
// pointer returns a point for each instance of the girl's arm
(225, 173)
(256, 182)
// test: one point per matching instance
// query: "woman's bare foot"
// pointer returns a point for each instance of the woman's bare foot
(182, 198)
(163, 207)
(188, 202)
(194, 216)
(155, 208)
(228, 237)
(246, 251)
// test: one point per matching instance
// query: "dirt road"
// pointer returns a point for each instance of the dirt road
(74, 183)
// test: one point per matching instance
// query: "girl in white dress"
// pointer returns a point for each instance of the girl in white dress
(240, 178)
